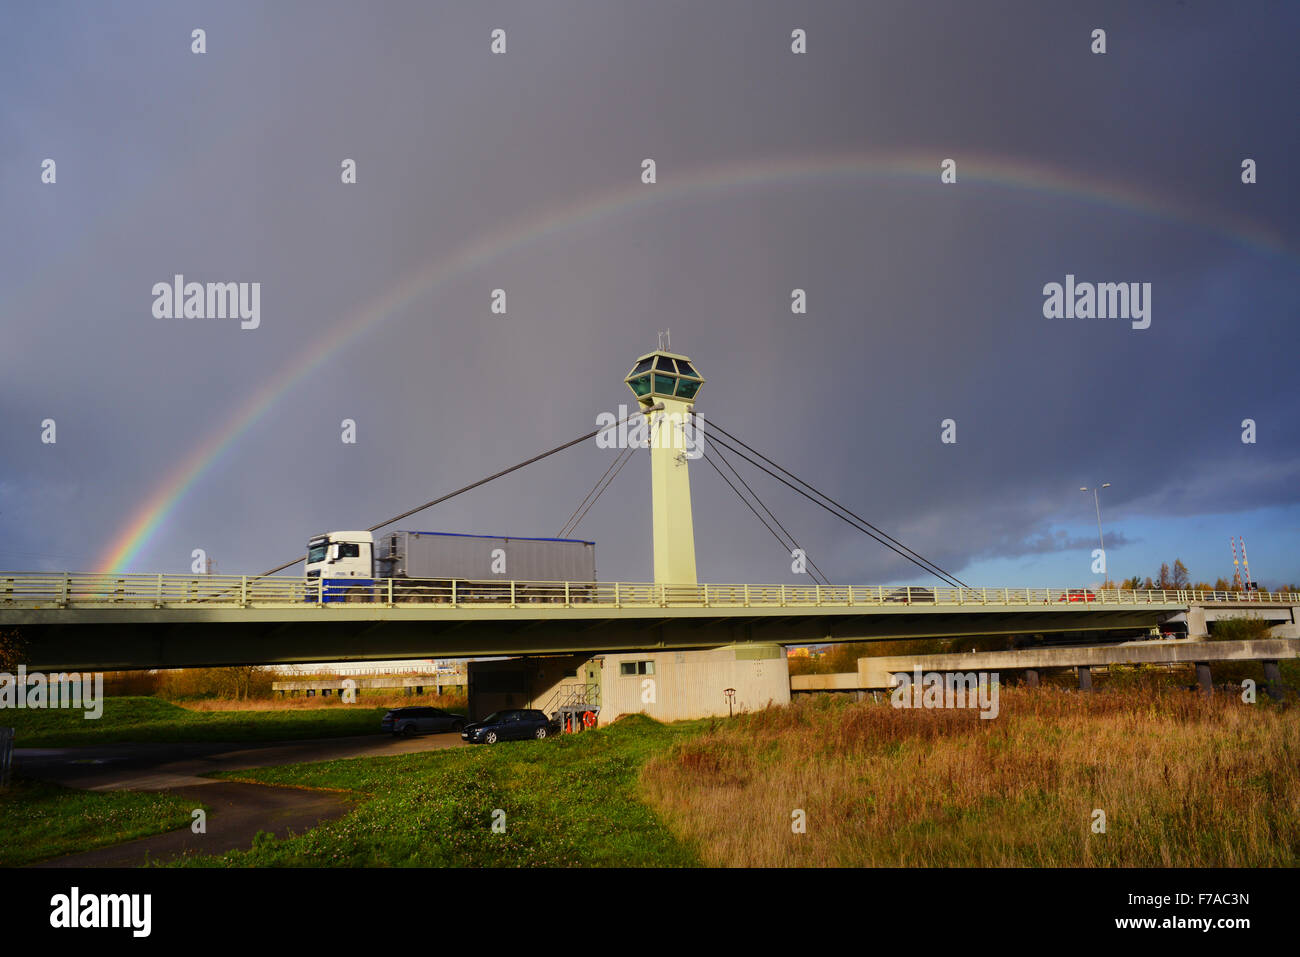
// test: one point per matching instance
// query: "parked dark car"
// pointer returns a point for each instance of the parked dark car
(408, 721)
(913, 595)
(513, 725)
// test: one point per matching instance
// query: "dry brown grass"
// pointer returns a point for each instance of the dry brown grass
(1183, 780)
(303, 703)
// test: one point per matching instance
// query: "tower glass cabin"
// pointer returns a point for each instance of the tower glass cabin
(670, 379)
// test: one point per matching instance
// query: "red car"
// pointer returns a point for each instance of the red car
(1079, 594)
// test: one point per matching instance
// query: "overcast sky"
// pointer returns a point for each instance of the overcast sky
(775, 170)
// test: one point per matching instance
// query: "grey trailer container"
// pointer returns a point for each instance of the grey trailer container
(449, 555)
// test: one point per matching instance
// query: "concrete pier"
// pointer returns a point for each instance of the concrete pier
(1273, 679)
(1203, 677)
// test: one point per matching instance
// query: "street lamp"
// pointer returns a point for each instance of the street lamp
(1097, 504)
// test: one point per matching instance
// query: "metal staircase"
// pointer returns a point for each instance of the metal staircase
(571, 702)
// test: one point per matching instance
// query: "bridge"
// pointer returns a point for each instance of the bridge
(76, 622)
(100, 622)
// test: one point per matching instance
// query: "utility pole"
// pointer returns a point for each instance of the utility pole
(1097, 505)
(1096, 502)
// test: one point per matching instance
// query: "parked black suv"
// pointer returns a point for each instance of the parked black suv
(511, 725)
(409, 721)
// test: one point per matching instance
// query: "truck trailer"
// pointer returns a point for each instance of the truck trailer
(448, 566)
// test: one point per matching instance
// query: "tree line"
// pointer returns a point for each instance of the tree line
(1178, 577)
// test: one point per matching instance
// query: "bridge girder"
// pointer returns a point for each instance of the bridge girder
(119, 639)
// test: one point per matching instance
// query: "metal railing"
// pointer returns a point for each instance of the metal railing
(54, 590)
(576, 697)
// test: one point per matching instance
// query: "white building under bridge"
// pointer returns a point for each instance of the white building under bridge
(663, 684)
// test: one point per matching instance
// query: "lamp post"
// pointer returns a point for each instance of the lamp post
(1097, 505)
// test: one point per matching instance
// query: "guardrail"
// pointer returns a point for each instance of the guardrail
(53, 590)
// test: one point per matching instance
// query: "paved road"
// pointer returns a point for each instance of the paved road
(237, 811)
(154, 767)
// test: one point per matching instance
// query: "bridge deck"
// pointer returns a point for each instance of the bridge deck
(63, 591)
(89, 622)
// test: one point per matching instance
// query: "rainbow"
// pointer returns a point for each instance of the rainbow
(150, 515)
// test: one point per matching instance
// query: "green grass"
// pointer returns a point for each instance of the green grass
(569, 801)
(39, 821)
(153, 720)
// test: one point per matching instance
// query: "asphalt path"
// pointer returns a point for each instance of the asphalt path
(236, 811)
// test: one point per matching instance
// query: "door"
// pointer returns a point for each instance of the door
(591, 678)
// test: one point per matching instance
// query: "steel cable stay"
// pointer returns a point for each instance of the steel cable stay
(788, 543)
(623, 458)
(483, 481)
(594, 491)
(836, 509)
(902, 550)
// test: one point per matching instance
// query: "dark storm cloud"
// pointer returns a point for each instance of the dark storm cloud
(925, 301)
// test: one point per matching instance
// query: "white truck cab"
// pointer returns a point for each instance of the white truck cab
(346, 556)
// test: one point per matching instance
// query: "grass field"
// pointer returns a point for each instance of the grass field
(567, 801)
(153, 720)
(39, 820)
(1183, 781)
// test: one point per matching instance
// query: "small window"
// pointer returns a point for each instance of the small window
(641, 386)
(685, 368)
(664, 364)
(636, 668)
(349, 550)
(642, 366)
(664, 384)
(686, 388)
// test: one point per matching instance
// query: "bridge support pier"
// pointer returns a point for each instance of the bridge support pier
(1203, 677)
(1273, 680)
(1031, 677)
(1085, 678)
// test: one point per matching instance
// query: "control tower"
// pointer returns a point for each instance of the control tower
(669, 380)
